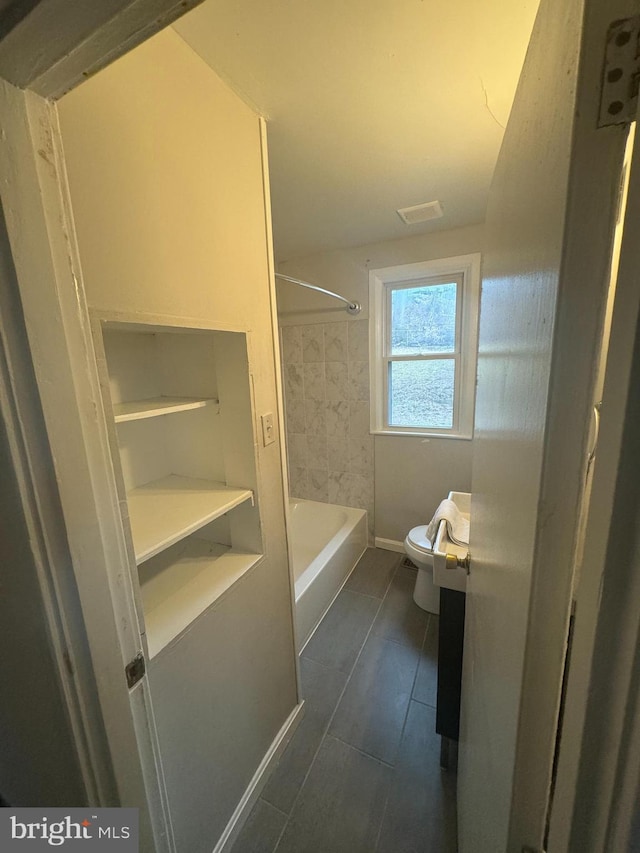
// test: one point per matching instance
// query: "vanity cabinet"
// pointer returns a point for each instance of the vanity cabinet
(450, 648)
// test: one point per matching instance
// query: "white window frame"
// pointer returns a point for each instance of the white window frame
(465, 270)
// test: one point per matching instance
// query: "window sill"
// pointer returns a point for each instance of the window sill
(423, 434)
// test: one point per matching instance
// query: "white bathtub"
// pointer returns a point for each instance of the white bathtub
(327, 541)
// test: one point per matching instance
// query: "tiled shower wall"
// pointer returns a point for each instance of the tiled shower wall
(326, 382)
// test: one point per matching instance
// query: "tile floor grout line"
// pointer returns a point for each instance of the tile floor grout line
(424, 641)
(326, 730)
(262, 799)
(362, 751)
(398, 643)
(425, 704)
(277, 844)
(423, 644)
(346, 588)
(404, 726)
(380, 825)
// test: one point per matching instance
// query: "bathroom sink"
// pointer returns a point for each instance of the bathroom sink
(442, 576)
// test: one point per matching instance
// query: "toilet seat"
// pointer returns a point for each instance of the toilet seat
(417, 537)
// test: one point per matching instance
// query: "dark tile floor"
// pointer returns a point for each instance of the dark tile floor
(362, 771)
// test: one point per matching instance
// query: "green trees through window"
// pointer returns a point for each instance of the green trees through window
(423, 319)
(422, 324)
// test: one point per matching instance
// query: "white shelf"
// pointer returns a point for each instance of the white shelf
(155, 406)
(181, 584)
(165, 511)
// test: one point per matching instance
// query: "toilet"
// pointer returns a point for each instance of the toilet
(419, 549)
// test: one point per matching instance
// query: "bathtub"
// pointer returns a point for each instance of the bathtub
(327, 541)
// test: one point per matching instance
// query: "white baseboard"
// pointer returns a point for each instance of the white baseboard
(390, 545)
(260, 777)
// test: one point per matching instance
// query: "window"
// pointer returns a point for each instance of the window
(424, 338)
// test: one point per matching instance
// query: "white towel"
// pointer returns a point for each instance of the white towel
(457, 524)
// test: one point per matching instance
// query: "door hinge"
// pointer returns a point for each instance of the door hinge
(620, 73)
(135, 670)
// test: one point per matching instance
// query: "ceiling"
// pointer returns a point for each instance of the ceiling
(12, 12)
(372, 105)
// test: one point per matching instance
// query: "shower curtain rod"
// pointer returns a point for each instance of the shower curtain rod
(352, 307)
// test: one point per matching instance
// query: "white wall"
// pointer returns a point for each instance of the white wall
(411, 475)
(165, 171)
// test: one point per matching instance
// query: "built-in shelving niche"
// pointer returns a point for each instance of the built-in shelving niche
(179, 404)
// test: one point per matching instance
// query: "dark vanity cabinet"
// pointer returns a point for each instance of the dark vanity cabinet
(450, 645)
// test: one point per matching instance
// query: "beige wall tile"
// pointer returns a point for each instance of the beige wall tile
(335, 341)
(315, 417)
(337, 378)
(293, 382)
(337, 419)
(337, 454)
(314, 382)
(317, 451)
(313, 343)
(298, 482)
(359, 340)
(359, 380)
(291, 344)
(297, 448)
(317, 485)
(295, 416)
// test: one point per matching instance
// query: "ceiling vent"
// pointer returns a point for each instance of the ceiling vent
(420, 212)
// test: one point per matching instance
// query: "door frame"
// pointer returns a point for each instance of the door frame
(118, 748)
(599, 747)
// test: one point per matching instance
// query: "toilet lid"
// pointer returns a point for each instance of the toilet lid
(417, 536)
